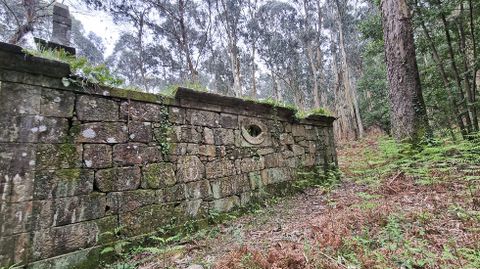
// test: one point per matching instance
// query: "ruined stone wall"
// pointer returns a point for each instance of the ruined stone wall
(77, 162)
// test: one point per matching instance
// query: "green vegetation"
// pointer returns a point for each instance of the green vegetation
(88, 73)
(318, 111)
(427, 164)
(171, 90)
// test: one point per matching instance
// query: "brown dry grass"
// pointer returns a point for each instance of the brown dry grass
(394, 223)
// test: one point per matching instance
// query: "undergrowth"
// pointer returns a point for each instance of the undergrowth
(86, 72)
(408, 208)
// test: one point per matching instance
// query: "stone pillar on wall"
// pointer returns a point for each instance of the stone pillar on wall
(62, 24)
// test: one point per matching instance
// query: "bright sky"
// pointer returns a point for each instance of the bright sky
(98, 22)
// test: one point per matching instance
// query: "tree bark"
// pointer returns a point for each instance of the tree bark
(409, 116)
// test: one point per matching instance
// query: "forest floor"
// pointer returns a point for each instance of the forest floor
(393, 208)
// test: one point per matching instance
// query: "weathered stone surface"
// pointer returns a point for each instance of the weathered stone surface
(309, 160)
(265, 151)
(16, 158)
(102, 132)
(62, 183)
(68, 210)
(118, 179)
(255, 180)
(224, 137)
(188, 134)
(59, 240)
(251, 164)
(129, 154)
(245, 199)
(140, 131)
(19, 99)
(54, 156)
(97, 155)
(198, 190)
(53, 130)
(286, 139)
(158, 175)
(190, 168)
(139, 111)
(229, 121)
(275, 175)
(225, 204)
(13, 249)
(207, 150)
(94, 108)
(298, 130)
(174, 194)
(274, 160)
(148, 218)
(152, 154)
(203, 118)
(193, 149)
(228, 186)
(57, 103)
(176, 115)
(32, 129)
(220, 168)
(208, 136)
(121, 202)
(298, 150)
(310, 133)
(15, 218)
(196, 209)
(287, 127)
(16, 187)
(222, 188)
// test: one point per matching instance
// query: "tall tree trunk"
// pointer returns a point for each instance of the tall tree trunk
(409, 116)
(446, 82)
(143, 72)
(186, 42)
(30, 16)
(253, 93)
(350, 92)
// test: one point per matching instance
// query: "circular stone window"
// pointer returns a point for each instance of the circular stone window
(254, 131)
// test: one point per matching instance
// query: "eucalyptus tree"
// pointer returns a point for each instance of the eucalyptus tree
(229, 21)
(279, 46)
(448, 38)
(341, 27)
(312, 17)
(409, 116)
(19, 18)
(88, 45)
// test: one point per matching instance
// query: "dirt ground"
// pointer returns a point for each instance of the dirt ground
(390, 222)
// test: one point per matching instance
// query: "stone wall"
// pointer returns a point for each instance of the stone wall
(77, 162)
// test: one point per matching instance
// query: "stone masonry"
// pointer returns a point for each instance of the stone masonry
(77, 162)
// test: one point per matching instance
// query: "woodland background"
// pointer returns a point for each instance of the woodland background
(306, 53)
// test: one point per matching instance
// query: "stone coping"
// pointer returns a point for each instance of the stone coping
(14, 60)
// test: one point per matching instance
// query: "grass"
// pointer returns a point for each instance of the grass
(407, 208)
(396, 207)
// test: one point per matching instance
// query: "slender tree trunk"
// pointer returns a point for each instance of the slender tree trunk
(350, 92)
(253, 93)
(143, 72)
(185, 42)
(472, 111)
(446, 82)
(409, 116)
(27, 27)
(474, 48)
(456, 73)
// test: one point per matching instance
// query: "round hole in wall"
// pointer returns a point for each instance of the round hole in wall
(254, 130)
